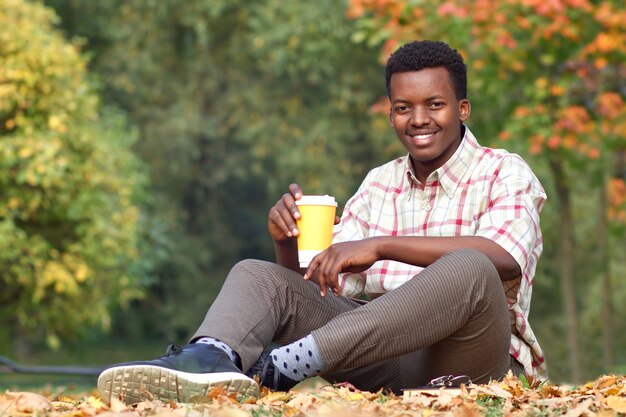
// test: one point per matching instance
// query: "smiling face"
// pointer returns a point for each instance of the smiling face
(427, 116)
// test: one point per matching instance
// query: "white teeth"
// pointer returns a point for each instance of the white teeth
(422, 136)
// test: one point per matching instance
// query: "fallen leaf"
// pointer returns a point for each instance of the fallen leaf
(231, 412)
(605, 382)
(117, 405)
(275, 397)
(95, 402)
(465, 411)
(303, 401)
(491, 391)
(110, 413)
(29, 402)
(580, 409)
(616, 403)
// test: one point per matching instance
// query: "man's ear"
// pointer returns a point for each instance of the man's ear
(465, 108)
(391, 118)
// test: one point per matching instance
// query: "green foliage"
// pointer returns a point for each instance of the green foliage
(234, 101)
(69, 221)
(491, 406)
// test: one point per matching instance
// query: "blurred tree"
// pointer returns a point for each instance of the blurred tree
(69, 221)
(547, 76)
(234, 100)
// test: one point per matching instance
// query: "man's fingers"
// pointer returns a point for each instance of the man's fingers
(295, 191)
(279, 221)
(290, 204)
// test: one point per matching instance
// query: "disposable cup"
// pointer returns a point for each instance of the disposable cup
(317, 218)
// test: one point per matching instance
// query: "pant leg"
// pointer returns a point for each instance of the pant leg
(261, 302)
(452, 318)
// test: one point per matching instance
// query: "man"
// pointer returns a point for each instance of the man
(437, 239)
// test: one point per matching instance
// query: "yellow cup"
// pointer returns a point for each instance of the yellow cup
(317, 218)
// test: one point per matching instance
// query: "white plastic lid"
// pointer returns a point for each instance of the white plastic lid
(317, 200)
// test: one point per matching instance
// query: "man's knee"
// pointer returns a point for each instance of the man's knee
(474, 263)
(255, 271)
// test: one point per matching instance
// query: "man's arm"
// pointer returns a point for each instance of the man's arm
(358, 256)
(423, 251)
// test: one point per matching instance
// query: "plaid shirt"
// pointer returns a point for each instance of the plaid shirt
(478, 192)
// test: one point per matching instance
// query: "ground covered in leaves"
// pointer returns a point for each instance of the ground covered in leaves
(605, 396)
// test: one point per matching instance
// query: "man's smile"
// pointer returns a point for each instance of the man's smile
(422, 139)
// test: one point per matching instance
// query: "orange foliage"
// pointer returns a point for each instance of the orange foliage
(574, 119)
(616, 195)
(610, 105)
(569, 54)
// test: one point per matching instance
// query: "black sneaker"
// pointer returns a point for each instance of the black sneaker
(268, 375)
(179, 375)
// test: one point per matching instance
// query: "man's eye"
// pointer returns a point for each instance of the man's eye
(401, 109)
(436, 104)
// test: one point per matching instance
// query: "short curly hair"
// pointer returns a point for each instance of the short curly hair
(418, 55)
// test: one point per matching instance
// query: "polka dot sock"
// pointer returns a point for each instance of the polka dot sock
(221, 345)
(299, 360)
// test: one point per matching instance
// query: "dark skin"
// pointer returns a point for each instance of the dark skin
(426, 116)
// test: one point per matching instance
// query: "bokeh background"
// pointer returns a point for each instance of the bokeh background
(142, 143)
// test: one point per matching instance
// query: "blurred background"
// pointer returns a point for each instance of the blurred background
(142, 143)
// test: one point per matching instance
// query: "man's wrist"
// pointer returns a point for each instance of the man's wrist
(380, 247)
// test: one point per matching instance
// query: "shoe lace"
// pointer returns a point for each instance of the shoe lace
(172, 350)
(269, 373)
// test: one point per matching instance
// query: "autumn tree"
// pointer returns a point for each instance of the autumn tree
(69, 221)
(547, 75)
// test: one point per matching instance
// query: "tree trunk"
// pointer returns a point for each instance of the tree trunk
(567, 267)
(605, 265)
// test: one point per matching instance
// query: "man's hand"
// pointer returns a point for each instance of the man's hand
(281, 223)
(281, 219)
(356, 256)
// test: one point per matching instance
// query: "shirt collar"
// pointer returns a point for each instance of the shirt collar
(455, 169)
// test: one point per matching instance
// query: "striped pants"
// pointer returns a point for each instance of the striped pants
(451, 319)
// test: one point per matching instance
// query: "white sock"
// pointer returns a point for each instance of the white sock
(220, 345)
(299, 360)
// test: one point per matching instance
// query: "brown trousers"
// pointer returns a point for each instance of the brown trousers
(451, 319)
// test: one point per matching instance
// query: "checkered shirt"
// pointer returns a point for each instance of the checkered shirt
(478, 192)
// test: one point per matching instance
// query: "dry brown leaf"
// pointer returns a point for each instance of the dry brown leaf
(604, 413)
(303, 401)
(110, 413)
(581, 409)
(95, 402)
(605, 382)
(277, 397)
(614, 390)
(616, 403)
(549, 390)
(231, 412)
(443, 401)
(492, 391)
(217, 392)
(117, 405)
(29, 402)
(465, 411)
(420, 400)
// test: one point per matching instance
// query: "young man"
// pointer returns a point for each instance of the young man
(444, 240)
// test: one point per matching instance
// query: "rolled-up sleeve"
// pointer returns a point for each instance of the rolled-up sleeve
(512, 215)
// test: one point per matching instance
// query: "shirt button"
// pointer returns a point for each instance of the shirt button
(427, 208)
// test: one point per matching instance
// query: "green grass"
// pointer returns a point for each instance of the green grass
(491, 406)
(89, 355)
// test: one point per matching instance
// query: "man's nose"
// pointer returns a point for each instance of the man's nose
(420, 116)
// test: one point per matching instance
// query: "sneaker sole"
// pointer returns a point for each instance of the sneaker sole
(133, 384)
